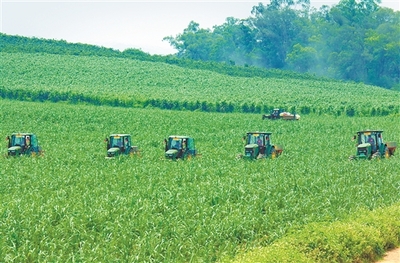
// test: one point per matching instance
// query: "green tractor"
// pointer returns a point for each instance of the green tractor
(23, 144)
(179, 147)
(370, 145)
(120, 144)
(258, 145)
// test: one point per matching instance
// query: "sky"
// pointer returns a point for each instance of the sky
(125, 23)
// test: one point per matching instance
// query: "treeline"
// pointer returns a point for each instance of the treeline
(14, 44)
(204, 106)
(353, 40)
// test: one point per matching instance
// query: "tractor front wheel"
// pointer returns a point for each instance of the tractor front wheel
(376, 155)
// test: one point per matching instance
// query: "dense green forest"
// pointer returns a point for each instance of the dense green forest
(353, 40)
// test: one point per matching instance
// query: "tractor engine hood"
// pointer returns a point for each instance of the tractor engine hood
(364, 145)
(14, 148)
(251, 146)
(171, 152)
(363, 150)
(113, 150)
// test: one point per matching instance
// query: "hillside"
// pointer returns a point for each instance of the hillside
(127, 82)
(20, 44)
(311, 204)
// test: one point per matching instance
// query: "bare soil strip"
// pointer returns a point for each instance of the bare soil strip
(392, 256)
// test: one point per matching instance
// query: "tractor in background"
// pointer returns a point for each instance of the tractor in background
(281, 114)
(120, 144)
(179, 147)
(23, 144)
(370, 145)
(258, 145)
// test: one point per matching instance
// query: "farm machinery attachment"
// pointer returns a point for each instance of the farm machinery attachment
(281, 114)
(23, 144)
(179, 147)
(258, 145)
(120, 144)
(370, 145)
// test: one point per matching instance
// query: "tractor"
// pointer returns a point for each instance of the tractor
(23, 144)
(258, 145)
(179, 147)
(281, 114)
(370, 145)
(120, 144)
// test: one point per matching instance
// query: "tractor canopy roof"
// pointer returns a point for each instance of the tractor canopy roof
(258, 132)
(22, 134)
(370, 131)
(179, 137)
(119, 135)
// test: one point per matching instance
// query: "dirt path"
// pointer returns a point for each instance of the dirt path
(392, 256)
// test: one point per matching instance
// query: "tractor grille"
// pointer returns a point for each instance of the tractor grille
(362, 151)
(249, 152)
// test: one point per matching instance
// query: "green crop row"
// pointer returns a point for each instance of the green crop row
(126, 82)
(72, 205)
(225, 107)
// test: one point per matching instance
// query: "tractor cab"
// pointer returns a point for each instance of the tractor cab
(179, 147)
(274, 115)
(370, 144)
(258, 145)
(118, 144)
(23, 144)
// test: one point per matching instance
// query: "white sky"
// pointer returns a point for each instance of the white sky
(124, 24)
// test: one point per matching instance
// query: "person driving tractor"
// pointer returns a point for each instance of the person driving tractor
(371, 141)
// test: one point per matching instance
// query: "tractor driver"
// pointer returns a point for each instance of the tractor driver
(266, 140)
(184, 144)
(28, 142)
(126, 146)
(260, 141)
(372, 142)
(126, 143)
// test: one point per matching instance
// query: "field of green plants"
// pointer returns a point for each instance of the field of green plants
(141, 84)
(73, 205)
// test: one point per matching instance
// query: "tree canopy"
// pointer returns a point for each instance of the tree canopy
(353, 40)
